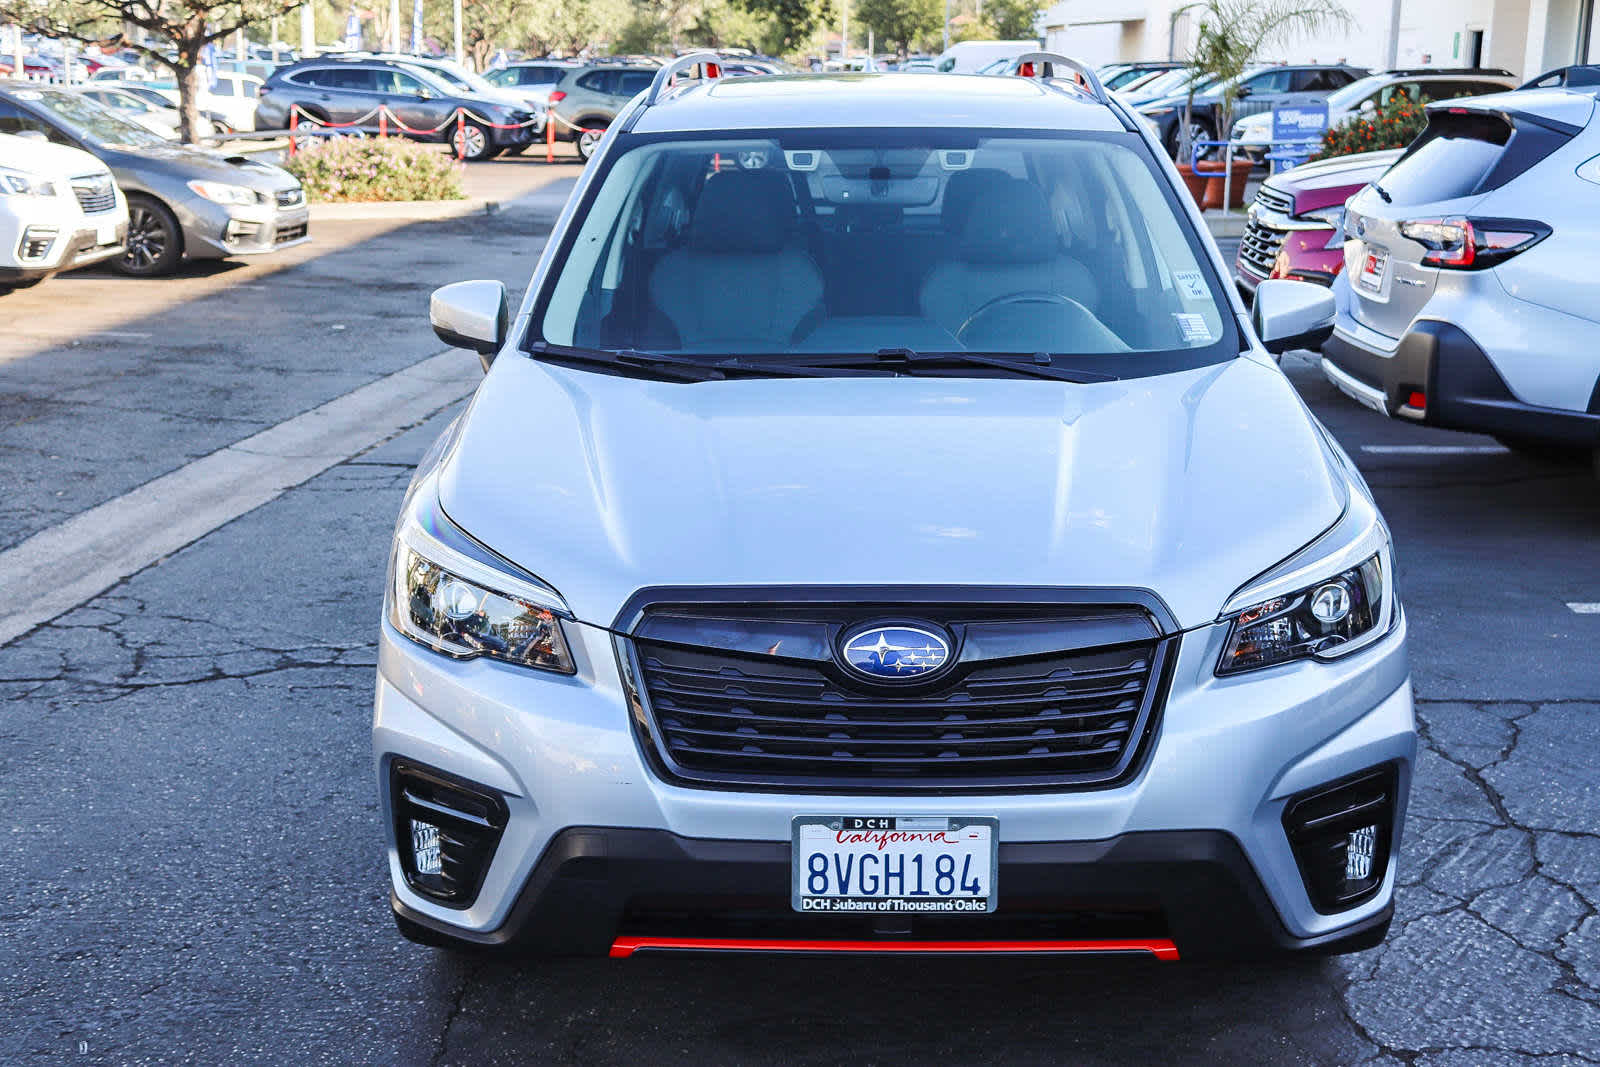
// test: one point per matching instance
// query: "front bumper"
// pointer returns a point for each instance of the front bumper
(79, 248)
(1193, 844)
(215, 231)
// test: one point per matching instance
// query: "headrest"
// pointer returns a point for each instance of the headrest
(1011, 224)
(742, 211)
(962, 190)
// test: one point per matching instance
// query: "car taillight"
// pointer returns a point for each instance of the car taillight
(1459, 243)
(557, 96)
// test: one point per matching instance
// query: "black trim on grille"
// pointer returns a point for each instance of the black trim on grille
(1273, 200)
(752, 696)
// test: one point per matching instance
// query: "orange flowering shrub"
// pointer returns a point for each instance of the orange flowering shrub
(1394, 125)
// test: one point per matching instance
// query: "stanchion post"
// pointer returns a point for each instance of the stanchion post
(550, 139)
(383, 121)
(294, 124)
(461, 137)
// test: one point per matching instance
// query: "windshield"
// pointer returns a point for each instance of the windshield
(1357, 91)
(460, 78)
(96, 123)
(848, 242)
(435, 80)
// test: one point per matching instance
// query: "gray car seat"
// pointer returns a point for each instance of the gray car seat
(741, 282)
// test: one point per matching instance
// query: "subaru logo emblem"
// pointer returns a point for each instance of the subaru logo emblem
(1361, 227)
(895, 652)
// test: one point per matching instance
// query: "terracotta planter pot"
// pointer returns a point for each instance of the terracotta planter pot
(1196, 183)
(1212, 171)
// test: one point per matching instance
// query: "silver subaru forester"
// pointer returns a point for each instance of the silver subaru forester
(882, 529)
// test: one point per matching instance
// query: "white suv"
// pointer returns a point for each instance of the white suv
(59, 209)
(882, 533)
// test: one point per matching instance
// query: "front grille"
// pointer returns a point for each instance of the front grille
(1275, 200)
(1041, 697)
(286, 234)
(95, 194)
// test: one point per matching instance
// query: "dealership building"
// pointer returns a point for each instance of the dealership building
(1525, 37)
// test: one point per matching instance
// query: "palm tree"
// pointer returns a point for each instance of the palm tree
(1233, 33)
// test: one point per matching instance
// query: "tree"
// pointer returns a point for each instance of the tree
(792, 21)
(897, 23)
(1012, 20)
(1233, 34)
(184, 26)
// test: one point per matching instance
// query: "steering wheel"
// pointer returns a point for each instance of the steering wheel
(1027, 296)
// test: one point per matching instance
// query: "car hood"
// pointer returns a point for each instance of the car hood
(45, 159)
(1186, 484)
(194, 164)
(1332, 181)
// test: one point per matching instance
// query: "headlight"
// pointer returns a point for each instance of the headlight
(1333, 216)
(21, 183)
(223, 193)
(452, 595)
(1333, 598)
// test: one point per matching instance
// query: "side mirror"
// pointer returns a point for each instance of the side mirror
(1289, 314)
(1242, 92)
(471, 315)
(1368, 106)
(423, 94)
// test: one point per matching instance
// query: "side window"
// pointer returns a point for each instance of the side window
(397, 82)
(15, 120)
(319, 77)
(596, 81)
(499, 77)
(224, 87)
(634, 82)
(1317, 81)
(1272, 81)
(1413, 91)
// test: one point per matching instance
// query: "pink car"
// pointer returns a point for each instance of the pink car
(1296, 225)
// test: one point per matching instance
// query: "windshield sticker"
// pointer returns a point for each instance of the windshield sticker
(1195, 330)
(1190, 284)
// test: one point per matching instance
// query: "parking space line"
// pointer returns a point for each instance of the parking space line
(1582, 608)
(62, 566)
(1435, 450)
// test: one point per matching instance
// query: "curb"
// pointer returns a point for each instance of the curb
(1229, 225)
(405, 210)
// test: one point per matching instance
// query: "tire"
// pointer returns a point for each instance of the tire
(471, 142)
(589, 140)
(1199, 130)
(155, 240)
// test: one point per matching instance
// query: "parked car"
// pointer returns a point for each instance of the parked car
(883, 582)
(183, 203)
(461, 80)
(1258, 90)
(533, 79)
(1295, 227)
(1163, 84)
(59, 210)
(1120, 75)
(340, 90)
(1371, 94)
(230, 102)
(1573, 77)
(970, 57)
(159, 120)
(1466, 301)
(586, 100)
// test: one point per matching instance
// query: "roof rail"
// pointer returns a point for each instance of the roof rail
(664, 77)
(1041, 65)
(1420, 71)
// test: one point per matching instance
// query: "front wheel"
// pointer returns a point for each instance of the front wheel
(471, 142)
(155, 240)
(589, 140)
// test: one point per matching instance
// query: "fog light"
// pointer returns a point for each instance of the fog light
(446, 831)
(1341, 835)
(425, 847)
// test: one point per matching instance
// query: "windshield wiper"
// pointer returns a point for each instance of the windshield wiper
(908, 361)
(676, 368)
(1381, 191)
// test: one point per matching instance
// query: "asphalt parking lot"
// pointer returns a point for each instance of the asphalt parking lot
(194, 869)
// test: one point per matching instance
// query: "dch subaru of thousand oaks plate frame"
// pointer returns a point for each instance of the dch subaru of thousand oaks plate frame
(894, 864)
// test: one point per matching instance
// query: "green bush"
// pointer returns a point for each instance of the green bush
(363, 169)
(1394, 125)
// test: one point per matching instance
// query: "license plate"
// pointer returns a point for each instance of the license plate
(894, 864)
(106, 234)
(1374, 264)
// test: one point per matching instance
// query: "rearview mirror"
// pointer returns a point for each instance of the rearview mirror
(1289, 315)
(471, 315)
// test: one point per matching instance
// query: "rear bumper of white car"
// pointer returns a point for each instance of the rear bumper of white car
(595, 851)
